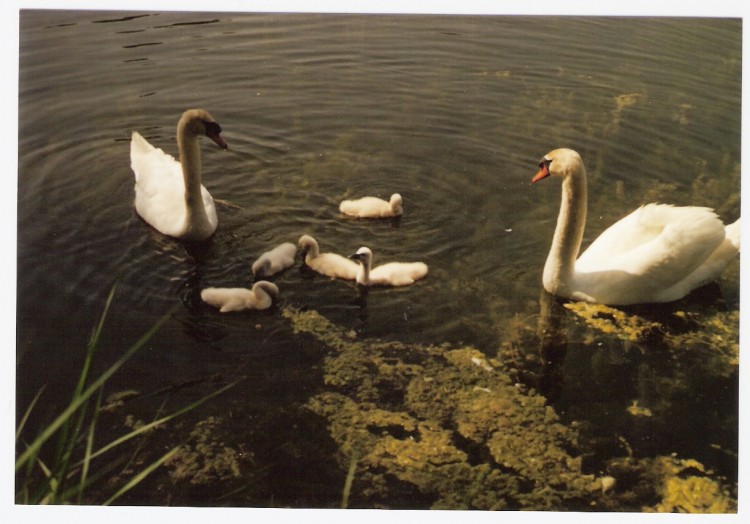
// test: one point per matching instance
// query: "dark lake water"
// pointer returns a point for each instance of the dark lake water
(453, 112)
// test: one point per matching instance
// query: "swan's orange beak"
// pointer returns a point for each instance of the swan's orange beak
(542, 173)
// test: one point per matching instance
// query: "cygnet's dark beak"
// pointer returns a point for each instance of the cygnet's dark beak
(357, 257)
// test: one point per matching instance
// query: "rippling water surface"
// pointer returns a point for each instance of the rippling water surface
(452, 112)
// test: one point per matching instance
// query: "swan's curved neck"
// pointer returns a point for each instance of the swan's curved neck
(313, 250)
(190, 160)
(560, 265)
(363, 273)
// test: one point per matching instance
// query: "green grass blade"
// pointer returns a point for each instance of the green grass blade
(52, 482)
(26, 415)
(86, 394)
(143, 441)
(160, 421)
(89, 447)
(93, 343)
(66, 440)
(140, 476)
(348, 481)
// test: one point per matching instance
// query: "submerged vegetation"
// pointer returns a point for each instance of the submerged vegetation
(412, 426)
(448, 428)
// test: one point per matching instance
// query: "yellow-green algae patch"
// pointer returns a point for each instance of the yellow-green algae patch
(444, 425)
(613, 321)
(685, 488)
(678, 485)
(716, 332)
(204, 459)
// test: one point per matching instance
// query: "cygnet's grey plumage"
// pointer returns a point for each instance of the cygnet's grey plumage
(276, 260)
(329, 264)
(373, 207)
(389, 274)
(239, 298)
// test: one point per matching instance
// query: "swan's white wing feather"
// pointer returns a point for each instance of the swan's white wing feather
(160, 188)
(139, 148)
(656, 235)
(648, 252)
(638, 228)
(160, 191)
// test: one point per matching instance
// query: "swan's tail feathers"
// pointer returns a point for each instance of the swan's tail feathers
(733, 233)
(139, 147)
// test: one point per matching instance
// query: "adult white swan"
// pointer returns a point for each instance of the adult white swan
(658, 253)
(168, 193)
(390, 274)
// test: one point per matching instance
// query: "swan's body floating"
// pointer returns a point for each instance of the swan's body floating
(373, 207)
(329, 264)
(168, 193)
(390, 274)
(658, 253)
(239, 298)
(275, 260)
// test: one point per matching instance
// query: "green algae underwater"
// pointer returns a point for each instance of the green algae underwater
(444, 427)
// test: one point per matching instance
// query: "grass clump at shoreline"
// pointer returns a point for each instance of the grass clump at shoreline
(57, 465)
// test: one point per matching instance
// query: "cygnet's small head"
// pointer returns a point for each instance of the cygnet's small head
(261, 266)
(306, 242)
(363, 255)
(308, 245)
(397, 204)
(200, 122)
(558, 162)
(269, 287)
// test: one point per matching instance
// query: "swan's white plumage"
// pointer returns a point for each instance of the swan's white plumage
(277, 259)
(161, 198)
(329, 264)
(389, 274)
(658, 253)
(373, 207)
(239, 299)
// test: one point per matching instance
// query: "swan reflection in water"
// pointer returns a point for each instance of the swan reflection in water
(553, 345)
